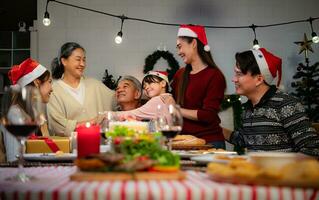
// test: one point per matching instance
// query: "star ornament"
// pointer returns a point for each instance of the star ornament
(305, 45)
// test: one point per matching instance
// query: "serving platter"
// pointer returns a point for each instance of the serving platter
(191, 147)
(110, 176)
(49, 157)
(266, 181)
(207, 158)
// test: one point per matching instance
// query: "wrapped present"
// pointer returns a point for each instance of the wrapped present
(48, 144)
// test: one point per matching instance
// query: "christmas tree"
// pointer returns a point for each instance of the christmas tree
(307, 82)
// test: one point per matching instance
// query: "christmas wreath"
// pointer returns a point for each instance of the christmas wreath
(155, 56)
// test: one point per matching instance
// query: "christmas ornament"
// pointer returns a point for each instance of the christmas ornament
(305, 45)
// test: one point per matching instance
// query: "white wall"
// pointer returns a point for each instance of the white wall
(96, 32)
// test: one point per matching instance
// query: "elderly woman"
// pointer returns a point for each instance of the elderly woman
(76, 99)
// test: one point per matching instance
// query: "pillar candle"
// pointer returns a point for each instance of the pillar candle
(88, 137)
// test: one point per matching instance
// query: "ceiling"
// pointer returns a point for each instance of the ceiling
(14, 11)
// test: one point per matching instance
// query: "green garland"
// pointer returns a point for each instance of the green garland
(155, 56)
(233, 101)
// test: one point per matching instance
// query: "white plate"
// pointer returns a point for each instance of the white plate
(189, 154)
(49, 157)
(204, 159)
(192, 153)
(105, 148)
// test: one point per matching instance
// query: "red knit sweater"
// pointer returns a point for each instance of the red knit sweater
(204, 92)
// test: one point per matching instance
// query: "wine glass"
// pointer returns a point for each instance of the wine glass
(104, 119)
(169, 121)
(22, 111)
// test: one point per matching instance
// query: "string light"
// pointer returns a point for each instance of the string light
(46, 20)
(315, 38)
(118, 38)
(255, 41)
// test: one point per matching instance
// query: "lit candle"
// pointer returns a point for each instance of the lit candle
(88, 137)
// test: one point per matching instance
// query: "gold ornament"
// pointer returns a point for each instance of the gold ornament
(305, 45)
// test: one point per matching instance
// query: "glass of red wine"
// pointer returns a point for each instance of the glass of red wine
(169, 122)
(22, 111)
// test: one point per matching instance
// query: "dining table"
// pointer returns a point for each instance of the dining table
(52, 181)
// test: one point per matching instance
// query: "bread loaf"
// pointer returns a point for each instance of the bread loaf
(187, 140)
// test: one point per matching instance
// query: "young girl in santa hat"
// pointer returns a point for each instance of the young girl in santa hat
(199, 87)
(28, 73)
(156, 86)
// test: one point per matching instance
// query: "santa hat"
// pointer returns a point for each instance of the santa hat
(269, 65)
(195, 31)
(26, 72)
(161, 74)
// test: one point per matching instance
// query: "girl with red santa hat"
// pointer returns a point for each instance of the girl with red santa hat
(28, 73)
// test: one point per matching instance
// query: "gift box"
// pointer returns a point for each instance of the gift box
(48, 144)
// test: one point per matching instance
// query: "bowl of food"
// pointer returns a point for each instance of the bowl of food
(275, 160)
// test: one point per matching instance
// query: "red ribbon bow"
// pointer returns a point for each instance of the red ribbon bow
(51, 144)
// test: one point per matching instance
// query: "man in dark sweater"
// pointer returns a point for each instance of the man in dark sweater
(272, 120)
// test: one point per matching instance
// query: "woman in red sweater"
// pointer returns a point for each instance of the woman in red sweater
(199, 87)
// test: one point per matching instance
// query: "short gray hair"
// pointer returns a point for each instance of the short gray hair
(136, 83)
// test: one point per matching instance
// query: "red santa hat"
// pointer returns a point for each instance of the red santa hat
(269, 65)
(161, 74)
(195, 31)
(26, 72)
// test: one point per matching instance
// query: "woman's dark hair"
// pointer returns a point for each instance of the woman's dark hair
(246, 62)
(205, 56)
(154, 79)
(66, 50)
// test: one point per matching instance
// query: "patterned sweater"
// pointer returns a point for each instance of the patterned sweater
(277, 123)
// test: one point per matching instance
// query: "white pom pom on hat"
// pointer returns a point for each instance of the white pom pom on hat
(196, 31)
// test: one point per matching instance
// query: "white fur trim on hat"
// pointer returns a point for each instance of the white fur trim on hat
(28, 78)
(186, 32)
(155, 73)
(263, 66)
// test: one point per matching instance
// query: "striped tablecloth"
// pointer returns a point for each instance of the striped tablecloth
(53, 183)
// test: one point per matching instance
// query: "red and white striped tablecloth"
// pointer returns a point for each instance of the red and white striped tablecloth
(54, 183)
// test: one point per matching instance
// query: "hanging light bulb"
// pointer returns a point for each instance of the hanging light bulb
(256, 44)
(255, 41)
(315, 38)
(118, 38)
(46, 20)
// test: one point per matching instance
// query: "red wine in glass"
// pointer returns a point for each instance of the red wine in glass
(21, 130)
(21, 113)
(170, 133)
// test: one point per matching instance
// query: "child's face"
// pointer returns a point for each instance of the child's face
(154, 89)
(45, 89)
